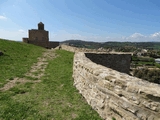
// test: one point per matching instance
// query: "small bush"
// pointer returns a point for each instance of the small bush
(151, 75)
(113, 118)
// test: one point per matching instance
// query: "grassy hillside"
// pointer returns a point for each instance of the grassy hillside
(17, 59)
(54, 97)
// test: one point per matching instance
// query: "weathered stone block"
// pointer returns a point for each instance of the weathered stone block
(114, 94)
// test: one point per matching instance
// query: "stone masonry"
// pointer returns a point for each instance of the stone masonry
(113, 94)
(40, 37)
(119, 62)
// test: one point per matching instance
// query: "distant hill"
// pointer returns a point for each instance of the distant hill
(96, 45)
(82, 44)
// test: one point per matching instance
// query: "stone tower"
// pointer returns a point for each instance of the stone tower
(40, 37)
(40, 26)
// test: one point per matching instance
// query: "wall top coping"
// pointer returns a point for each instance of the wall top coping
(103, 72)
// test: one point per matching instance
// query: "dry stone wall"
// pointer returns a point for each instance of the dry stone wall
(75, 49)
(113, 94)
(53, 44)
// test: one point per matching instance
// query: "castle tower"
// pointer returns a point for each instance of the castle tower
(40, 37)
(40, 26)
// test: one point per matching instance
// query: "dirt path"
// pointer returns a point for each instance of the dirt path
(36, 72)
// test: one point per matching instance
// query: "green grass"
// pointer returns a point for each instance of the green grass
(17, 59)
(53, 98)
(145, 63)
(157, 65)
(140, 61)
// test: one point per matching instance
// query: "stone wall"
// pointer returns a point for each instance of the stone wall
(53, 44)
(119, 62)
(39, 38)
(115, 94)
(39, 43)
(75, 49)
(25, 40)
(38, 35)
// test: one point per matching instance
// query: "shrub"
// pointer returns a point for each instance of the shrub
(151, 75)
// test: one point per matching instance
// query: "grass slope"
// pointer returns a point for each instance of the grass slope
(17, 59)
(54, 97)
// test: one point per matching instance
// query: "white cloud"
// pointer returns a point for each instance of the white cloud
(12, 35)
(137, 35)
(157, 34)
(21, 30)
(2, 17)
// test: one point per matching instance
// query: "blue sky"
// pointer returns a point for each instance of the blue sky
(90, 20)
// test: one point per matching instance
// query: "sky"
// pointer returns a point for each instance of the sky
(89, 20)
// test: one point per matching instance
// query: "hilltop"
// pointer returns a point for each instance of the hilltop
(37, 83)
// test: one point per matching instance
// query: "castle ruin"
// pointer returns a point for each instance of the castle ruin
(103, 80)
(40, 37)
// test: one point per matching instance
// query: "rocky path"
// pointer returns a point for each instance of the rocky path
(36, 72)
